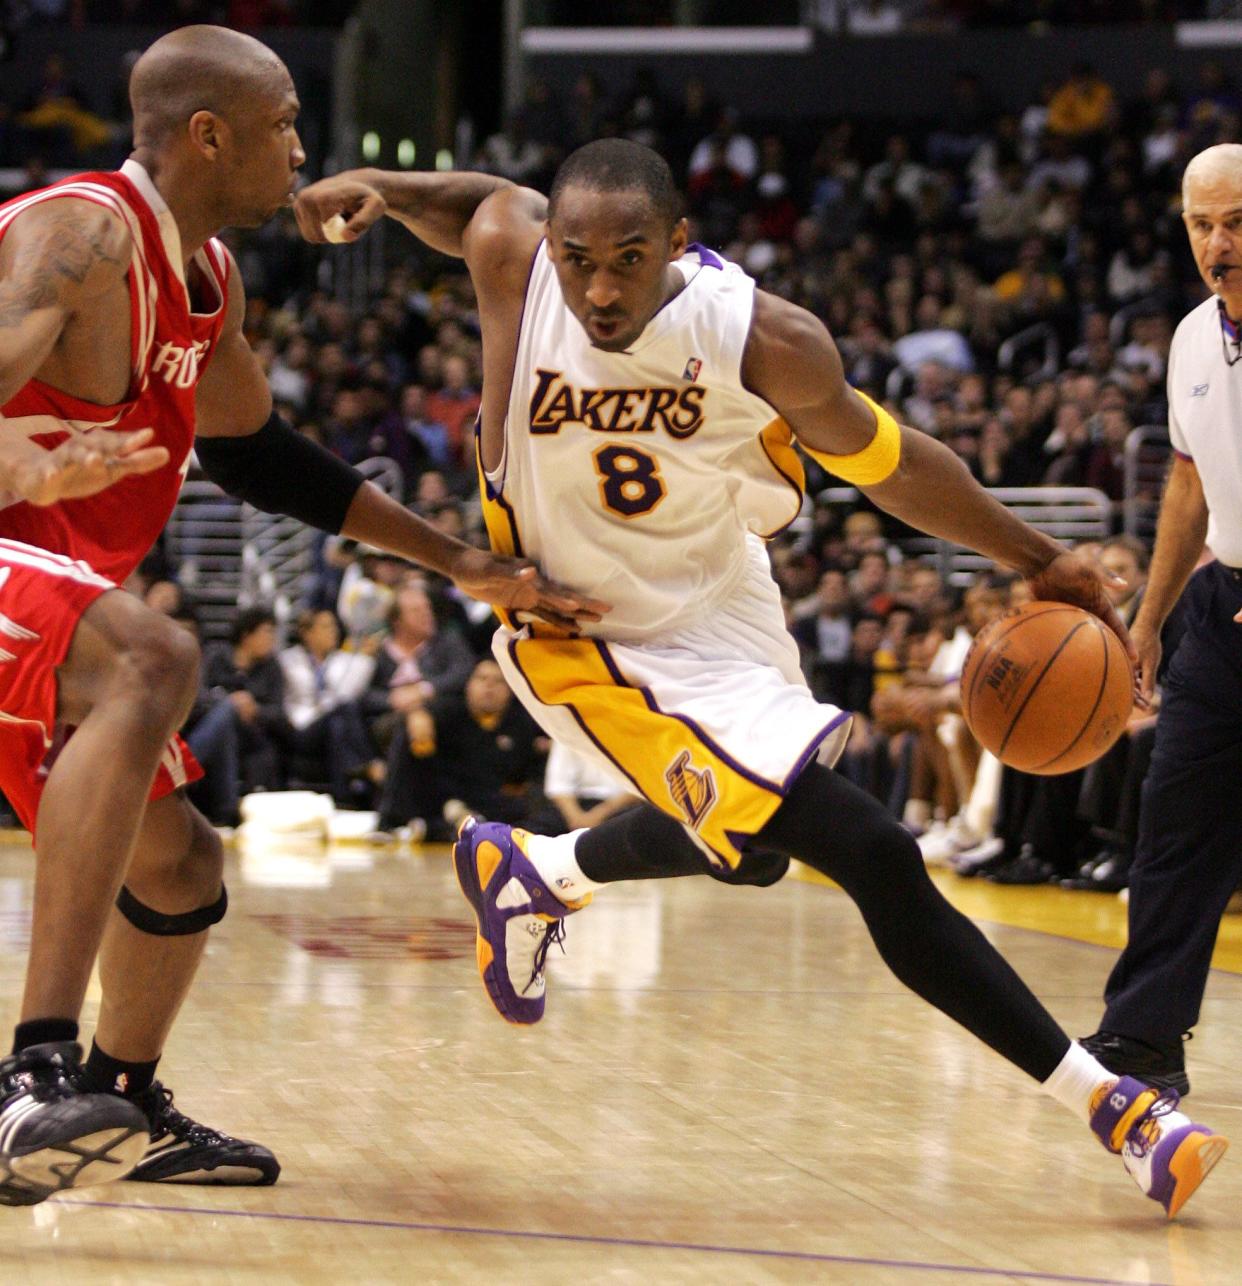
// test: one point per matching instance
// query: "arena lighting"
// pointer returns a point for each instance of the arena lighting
(444, 159)
(406, 153)
(370, 146)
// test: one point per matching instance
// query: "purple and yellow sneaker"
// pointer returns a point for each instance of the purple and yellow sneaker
(1165, 1152)
(517, 915)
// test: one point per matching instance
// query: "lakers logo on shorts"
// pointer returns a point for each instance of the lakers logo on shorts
(694, 792)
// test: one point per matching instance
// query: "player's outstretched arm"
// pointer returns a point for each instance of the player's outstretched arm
(253, 454)
(791, 362)
(437, 208)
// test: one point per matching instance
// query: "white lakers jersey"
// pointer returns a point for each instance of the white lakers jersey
(639, 477)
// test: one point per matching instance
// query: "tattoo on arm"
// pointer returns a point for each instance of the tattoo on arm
(68, 250)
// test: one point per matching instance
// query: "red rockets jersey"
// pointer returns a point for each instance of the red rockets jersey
(169, 348)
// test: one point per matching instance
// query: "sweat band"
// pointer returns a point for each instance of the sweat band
(876, 461)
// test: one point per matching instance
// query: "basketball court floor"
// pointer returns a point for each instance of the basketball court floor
(728, 1087)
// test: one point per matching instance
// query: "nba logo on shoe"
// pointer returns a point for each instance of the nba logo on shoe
(694, 792)
(693, 367)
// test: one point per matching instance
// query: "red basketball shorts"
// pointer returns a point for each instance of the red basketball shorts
(42, 599)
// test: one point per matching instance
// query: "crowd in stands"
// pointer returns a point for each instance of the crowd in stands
(1008, 282)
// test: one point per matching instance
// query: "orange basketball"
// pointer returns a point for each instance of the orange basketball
(1047, 688)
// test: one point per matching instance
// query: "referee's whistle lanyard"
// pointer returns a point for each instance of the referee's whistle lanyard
(1230, 337)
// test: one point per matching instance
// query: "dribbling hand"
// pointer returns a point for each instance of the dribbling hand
(515, 584)
(357, 203)
(84, 466)
(1070, 578)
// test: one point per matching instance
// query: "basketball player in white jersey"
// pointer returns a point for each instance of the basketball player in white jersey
(640, 402)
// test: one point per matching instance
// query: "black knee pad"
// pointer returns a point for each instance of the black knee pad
(759, 867)
(147, 920)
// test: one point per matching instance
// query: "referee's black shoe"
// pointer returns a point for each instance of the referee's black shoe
(183, 1151)
(1161, 1066)
(55, 1136)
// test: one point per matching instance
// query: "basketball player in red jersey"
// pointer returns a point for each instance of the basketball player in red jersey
(120, 339)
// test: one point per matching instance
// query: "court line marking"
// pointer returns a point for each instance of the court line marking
(805, 1256)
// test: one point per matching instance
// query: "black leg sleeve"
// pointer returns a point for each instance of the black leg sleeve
(936, 951)
(645, 844)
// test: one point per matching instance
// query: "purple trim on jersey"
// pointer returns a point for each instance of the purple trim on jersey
(496, 497)
(771, 535)
(708, 258)
(654, 707)
(1181, 455)
(1227, 324)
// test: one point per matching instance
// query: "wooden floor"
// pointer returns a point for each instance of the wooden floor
(728, 1088)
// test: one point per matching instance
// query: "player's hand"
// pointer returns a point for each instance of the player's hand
(85, 465)
(515, 583)
(1147, 644)
(348, 195)
(1070, 578)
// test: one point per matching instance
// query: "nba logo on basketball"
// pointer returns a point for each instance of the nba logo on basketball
(693, 367)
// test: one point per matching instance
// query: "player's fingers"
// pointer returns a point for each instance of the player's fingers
(128, 443)
(370, 211)
(145, 461)
(1108, 614)
(564, 624)
(310, 221)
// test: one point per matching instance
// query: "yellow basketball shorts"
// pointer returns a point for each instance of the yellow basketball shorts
(711, 723)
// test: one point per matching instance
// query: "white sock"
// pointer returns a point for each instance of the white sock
(1076, 1079)
(553, 857)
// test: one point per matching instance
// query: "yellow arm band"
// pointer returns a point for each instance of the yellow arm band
(876, 461)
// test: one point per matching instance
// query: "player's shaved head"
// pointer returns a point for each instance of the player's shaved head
(619, 165)
(1221, 163)
(196, 69)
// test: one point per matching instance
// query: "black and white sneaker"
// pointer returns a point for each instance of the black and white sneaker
(54, 1136)
(183, 1151)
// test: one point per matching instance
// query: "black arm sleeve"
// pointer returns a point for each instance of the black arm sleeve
(282, 471)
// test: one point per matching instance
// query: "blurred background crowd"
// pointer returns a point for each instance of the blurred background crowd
(1007, 281)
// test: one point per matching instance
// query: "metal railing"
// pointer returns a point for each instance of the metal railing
(231, 555)
(1146, 462)
(1072, 514)
(1039, 337)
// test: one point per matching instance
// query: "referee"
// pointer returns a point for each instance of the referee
(1188, 857)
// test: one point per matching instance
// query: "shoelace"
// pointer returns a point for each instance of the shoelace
(555, 934)
(23, 1078)
(1145, 1132)
(165, 1119)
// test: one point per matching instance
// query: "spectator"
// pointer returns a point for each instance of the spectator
(417, 663)
(245, 672)
(583, 795)
(455, 404)
(1083, 106)
(325, 731)
(430, 445)
(476, 751)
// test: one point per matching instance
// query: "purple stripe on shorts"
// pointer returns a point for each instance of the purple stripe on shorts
(813, 749)
(654, 707)
(581, 722)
